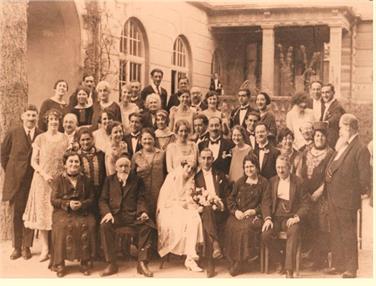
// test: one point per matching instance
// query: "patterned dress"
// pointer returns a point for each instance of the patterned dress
(49, 154)
(178, 152)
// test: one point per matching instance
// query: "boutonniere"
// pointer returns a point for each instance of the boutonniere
(266, 151)
(226, 154)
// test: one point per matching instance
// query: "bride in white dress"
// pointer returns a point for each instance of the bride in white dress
(178, 220)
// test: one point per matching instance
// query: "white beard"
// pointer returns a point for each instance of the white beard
(341, 142)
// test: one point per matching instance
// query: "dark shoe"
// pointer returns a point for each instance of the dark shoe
(84, 268)
(111, 268)
(15, 254)
(349, 274)
(26, 254)
(332, 271)
(235, 269)
(217, 253)
(60, 271)
(142, 268)
(210, 269)
(289, 274)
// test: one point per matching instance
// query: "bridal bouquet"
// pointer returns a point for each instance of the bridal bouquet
(203, 199)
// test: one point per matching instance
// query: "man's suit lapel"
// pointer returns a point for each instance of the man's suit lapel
(274, 194)
(331, 108)
(292, 191)
(128, 185)
(336, 164)
(216, 183)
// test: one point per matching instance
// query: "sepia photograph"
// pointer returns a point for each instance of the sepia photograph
(186, 139)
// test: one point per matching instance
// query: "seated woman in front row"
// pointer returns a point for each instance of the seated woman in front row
(73, 222)
(245, 222)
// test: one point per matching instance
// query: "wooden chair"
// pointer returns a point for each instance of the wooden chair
(264, 255)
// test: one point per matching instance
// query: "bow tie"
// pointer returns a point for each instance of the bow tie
(251, 133)
(243, 107)
(262, 148)
(134, 135)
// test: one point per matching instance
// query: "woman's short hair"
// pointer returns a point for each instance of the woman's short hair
(163, 113)
(266, 96)
(59, 81)
(104, 84)
(283, 133)
(240, 129)
(81, 87)
(53, 112)
(147, 130)
(112, 125)
(253, 159)
(109, 113)
(153, 96)
(184, 92)
(70, 153)
(181, 122)
(84, 130)
(211, 93)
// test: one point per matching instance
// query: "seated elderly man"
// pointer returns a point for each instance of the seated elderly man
(123, 202)
(284, 206)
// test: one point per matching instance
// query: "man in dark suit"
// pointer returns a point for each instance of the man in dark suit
(347, 178)
(239, 114)
(200, 128)
(183, 86)
(215, 84)
(265, 152)
(15, 156)
(251, 120)
(331, 113)
(284, 206)
(155, 87)
(133, 139)
(88, 82)
(123, 202)
(315, 101)
(220, 146)
(216, 184)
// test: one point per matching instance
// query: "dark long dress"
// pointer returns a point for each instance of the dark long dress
(316, 229)
(73, 232)
(241, 235)
(114, 108)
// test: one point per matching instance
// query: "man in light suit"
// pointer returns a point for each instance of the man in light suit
(332, 111)
(155, 87)
(216, 184)
(284, 207)
(347, 178)
(15, 156)
(123, 202)
(221, 147)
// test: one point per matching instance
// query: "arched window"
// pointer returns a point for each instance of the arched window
(133, 56)
(180, 62)
(215, 64)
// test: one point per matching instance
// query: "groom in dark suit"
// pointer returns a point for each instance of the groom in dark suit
(347, 178)
(155, 87)
(216, 183)
(123, 202)
(15, 156)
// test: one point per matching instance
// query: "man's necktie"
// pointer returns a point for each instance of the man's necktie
(29, 135)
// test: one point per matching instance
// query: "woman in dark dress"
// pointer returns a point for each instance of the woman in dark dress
(73, 222)
(262, 102)
(244, 223)
(312, 170)
(55, 102)
(149, 165)
(83, 110)
(93, 165)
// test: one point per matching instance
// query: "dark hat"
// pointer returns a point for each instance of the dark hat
(321, 126)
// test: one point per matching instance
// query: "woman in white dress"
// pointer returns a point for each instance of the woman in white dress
(178, 220)
(101, 139)
(47, 161)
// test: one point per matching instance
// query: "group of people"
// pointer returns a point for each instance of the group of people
(188, 176)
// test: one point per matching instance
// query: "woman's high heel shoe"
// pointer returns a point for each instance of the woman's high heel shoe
(191, 265)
